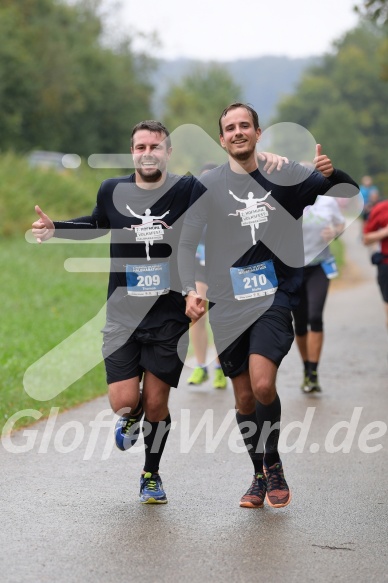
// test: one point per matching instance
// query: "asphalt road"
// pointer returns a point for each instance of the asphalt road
(70, 510)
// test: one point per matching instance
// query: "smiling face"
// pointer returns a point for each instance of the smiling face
(239, 136)
(150, 154)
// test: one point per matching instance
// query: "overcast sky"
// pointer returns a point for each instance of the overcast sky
(231, 29)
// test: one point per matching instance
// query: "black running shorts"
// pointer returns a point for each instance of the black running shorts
(308, 315)
(271, 336)
(382, 279)
(128, 353)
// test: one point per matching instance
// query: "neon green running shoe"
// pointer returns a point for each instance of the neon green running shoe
(198, 376)
(305, 384)
(219, 379)
(314, 386)
(311, 384)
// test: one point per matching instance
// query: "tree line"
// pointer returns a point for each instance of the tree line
(60, 87)
(342, 102)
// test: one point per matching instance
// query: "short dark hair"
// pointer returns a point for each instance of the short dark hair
(235, 105)
(152, 126)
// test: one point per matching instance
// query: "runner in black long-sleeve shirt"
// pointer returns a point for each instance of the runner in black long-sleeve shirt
(254, 259)
(145, 316)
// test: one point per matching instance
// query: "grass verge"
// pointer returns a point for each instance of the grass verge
(43, 304)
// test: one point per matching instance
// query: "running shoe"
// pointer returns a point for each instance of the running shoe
(127, 429)
(255, 495)
(313, 383)
(199, 376)
(278, 492)
(219, 381)
(151, 489)
(305, 384)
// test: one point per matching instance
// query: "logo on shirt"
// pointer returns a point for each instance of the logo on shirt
(254, 213)
(148, 231)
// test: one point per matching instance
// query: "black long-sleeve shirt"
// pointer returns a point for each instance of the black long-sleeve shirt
(252, 219)
(145, 227)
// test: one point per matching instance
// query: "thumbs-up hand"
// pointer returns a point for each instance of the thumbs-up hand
(322, 162)
(42, 229)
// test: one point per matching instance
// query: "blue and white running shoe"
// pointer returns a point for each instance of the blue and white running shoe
(151, 489)
(127, 429)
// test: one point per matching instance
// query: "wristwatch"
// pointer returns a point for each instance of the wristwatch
(187, 290)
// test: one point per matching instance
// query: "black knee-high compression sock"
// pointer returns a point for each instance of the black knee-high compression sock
(268, 417)
(251, 434)
(155, 437)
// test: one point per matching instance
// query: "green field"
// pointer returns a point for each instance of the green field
(42, 304)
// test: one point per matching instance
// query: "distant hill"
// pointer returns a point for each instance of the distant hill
(264, 80)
